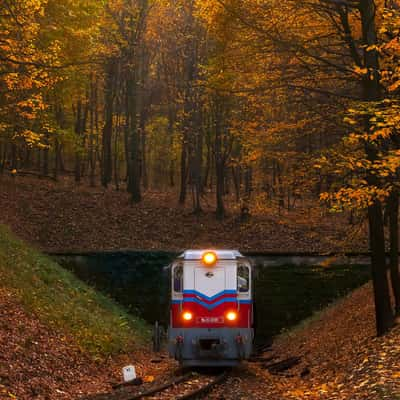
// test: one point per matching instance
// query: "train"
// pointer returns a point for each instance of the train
(211, 322)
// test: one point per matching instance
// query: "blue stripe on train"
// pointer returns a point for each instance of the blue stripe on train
(196, 293)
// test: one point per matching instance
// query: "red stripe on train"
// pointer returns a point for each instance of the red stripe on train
(214, 318)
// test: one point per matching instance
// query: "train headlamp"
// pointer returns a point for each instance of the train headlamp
(187, 316)
(209, 258)
(231, 316)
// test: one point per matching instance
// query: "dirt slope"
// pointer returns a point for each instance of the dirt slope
(340, 358)
(37, 362)
(64, 217)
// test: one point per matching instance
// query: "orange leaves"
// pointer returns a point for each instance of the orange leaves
(357, 197)
(29, 107)
(54, 34)
(394, 86)
(31, 138)
(350, 162)
(360, 71)
(22, 73)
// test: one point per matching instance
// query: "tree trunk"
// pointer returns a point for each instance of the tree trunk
(220, 211)
(188, 123)
(4, 157)
(393, 208)
(371, 91)
(196, 154)
(134, 165)
(171, 123)
(27, 159)
(248, 183)
(236, 181)
(383, 309)
(198, 162)
(59, 163)
(14, 159)
(56, 159)
(183, 183)
(80, 127)
(106, 164)
(143, 118)
(46, 157)
(38, 160)
(78, 140)
(208, 167)
(116, 152)
(93, 107)
(219, 164)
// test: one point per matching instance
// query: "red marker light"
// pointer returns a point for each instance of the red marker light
(187, 316)
(231, 316)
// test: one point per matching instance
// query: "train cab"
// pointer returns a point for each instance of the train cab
(211, 312)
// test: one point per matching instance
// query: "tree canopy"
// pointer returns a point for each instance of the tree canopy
(275, 102)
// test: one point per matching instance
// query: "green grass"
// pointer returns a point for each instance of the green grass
(97, 324)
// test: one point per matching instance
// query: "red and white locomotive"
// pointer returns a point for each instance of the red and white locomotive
(211, 315)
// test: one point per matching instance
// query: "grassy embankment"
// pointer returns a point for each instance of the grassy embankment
(97, 324)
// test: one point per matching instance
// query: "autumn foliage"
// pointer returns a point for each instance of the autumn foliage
(277, 103)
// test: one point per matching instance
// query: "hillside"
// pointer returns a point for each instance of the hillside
(58, 337)
(341, 359)
(65, 217)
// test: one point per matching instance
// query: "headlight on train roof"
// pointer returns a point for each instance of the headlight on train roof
(209, 258)
(187, 316)
(231, 316)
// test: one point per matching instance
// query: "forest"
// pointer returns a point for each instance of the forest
(274, 102)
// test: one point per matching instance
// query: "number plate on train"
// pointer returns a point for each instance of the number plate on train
(210, 320)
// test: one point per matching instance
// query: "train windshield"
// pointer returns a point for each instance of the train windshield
(243, 278)
(177, 278)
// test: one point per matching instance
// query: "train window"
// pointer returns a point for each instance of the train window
(243, 279)
(178, 278)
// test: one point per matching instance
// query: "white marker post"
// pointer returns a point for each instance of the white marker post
(129, 373)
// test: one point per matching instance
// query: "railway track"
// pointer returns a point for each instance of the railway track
(185, 387)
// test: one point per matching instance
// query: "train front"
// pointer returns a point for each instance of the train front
(211, 321)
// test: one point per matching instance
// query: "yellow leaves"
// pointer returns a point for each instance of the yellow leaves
(148, 379)
(372, 48)
(296, 393)
(349, 121)
(362, 384)
(32, 138)
(394, 86)
(356, 197)
(382, 30)
(323, 388)
(4, 127)
(393, 46)
(360, 71)
(324, 196)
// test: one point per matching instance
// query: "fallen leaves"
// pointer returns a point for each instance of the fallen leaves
(345, 359)
(62, 217)
(148, 379)
(37, 362)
